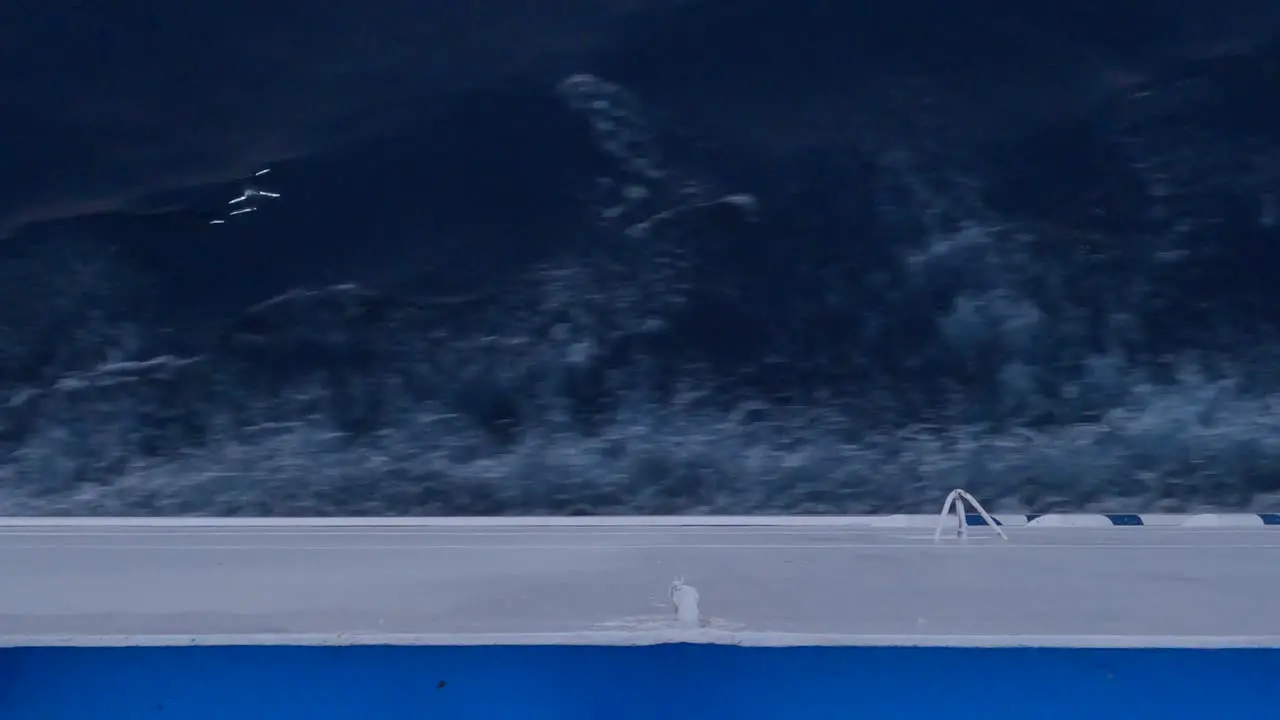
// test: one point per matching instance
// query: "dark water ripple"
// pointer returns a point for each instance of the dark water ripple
(672, 256)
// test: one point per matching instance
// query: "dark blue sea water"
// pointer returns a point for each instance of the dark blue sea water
(648, 256)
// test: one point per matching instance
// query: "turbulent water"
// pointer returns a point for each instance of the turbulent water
(676, 257)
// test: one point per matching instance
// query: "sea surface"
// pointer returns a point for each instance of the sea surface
(644, 256)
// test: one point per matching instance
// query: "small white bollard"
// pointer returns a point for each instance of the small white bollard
(957, 498)
(684, 598)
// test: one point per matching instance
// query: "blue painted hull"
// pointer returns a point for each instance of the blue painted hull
(709, 682)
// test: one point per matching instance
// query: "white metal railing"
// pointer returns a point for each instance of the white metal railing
(957, 499)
